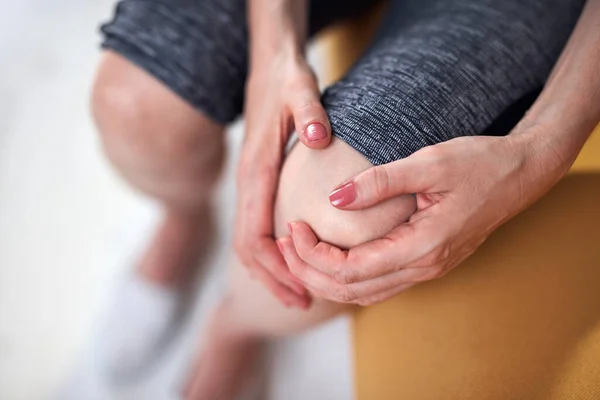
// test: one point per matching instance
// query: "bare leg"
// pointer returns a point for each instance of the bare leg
(248, 313)
(164, 148)
(172, 153)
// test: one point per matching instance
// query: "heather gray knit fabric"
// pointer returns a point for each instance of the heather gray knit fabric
(198, 48)
(438, 69)
(442, 69)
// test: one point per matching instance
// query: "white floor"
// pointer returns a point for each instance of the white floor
(69, 228)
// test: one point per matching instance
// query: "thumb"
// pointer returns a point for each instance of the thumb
(379, 183)
(310, 118)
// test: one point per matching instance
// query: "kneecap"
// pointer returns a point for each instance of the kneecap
(307, 178)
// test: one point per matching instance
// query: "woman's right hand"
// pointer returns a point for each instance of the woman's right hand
(281, 94)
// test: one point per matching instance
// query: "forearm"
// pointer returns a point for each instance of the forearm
(568, 108)
(277, 27)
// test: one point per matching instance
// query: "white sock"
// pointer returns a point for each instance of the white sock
(141, 323)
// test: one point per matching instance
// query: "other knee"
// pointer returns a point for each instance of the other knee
(141, 121)
(307, 178)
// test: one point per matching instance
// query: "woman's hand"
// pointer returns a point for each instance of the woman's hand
(465, 189)
(281, 93)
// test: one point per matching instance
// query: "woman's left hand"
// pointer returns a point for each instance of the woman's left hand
(281, 93)
(465, 189)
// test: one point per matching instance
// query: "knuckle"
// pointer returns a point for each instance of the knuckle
(381, 181)
(345, 295)
(436, 159)
(440, 255)
(430, 273)
(308, 102)
(345, 276)
(432, 152)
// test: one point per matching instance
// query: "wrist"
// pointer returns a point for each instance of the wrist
(283, 52)
(277, 28)
(554, 133)
(543, 158)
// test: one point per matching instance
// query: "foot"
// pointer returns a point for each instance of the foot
(150, 305)
(141, 324)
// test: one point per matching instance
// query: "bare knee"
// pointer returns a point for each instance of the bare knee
(307, 178)
(155, 139)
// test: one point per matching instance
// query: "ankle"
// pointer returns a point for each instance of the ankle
(175, 251)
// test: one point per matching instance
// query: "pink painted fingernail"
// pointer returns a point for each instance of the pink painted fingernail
(315, 132)
(343, 195)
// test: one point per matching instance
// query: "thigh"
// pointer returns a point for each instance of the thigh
(199, 48)
(440, 69)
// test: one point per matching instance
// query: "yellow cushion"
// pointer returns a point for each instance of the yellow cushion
(518, 320)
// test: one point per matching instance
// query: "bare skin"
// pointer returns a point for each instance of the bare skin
(249, 314)
(168, 151)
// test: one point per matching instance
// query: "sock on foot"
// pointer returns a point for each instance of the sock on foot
(140, 324)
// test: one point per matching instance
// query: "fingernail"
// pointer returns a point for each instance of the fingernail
(280, 246)
(290, 229)
(343, 195)
(315, 131)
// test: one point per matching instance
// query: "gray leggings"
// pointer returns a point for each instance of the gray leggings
(437, 69)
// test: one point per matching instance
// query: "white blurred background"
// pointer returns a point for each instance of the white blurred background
(70, 229)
